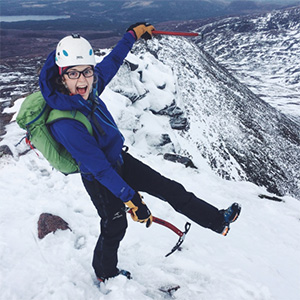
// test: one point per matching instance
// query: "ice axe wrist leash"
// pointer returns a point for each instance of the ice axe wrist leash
(181, 234)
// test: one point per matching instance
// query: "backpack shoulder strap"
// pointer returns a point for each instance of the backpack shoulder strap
(56, 115)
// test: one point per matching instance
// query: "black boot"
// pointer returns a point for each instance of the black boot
(230, 215)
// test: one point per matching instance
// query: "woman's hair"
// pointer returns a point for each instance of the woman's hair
(60, 86)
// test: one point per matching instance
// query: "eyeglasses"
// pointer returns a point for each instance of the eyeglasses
(88, 72)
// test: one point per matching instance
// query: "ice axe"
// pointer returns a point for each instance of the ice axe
(180, 233)
(157, 32)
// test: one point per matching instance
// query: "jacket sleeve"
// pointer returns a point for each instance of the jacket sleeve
(84, 149)
(110, 65)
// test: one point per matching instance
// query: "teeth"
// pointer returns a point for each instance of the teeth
(81, 90)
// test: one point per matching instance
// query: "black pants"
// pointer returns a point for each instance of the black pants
(113, 217)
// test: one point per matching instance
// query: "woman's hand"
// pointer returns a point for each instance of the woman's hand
(139, 210)
(142, 30)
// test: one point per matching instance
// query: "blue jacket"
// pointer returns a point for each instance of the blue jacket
(100, 154)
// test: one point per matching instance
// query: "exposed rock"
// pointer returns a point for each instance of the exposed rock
(180, 159)
(179, 123)
(273, 198)
(5, 150)
(165, 139)
(50, 223)
(177, 119)
(4, 120)
(131, 65)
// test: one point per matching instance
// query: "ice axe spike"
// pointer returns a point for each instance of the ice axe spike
(157, 32)
(181, 234)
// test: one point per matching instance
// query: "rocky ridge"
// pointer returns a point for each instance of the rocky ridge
(241, 136)
(180, 100)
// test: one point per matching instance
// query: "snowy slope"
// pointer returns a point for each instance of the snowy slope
(240, 136)
(262, 51)
(259, 259)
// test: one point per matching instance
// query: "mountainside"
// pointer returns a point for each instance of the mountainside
(169, 97)
(240, 135)
(262, 51)
(189, 97)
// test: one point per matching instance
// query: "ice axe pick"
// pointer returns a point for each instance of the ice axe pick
(180, 233)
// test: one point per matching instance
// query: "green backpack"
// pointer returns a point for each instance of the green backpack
(34, 116)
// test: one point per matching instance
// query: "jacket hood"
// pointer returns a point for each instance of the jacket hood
(47, 82)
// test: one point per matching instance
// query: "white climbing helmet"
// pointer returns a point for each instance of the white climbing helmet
(74, 50)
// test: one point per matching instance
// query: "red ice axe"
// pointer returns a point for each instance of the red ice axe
(156, 32)
(180, 233)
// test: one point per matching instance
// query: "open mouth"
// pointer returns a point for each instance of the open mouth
(81, 90)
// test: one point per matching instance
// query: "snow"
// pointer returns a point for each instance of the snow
(265, 58)
(259, 259)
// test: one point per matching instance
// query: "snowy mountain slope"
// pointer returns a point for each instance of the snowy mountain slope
(166, 84)
(257, 260)
(241, 46)
(262, 51)
(17, 78)
(240, 136)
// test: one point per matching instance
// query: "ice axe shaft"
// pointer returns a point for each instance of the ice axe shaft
(168, 225)
(156, 32)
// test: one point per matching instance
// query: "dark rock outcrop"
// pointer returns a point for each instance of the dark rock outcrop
(50, 223)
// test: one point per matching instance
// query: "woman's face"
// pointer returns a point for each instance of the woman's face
(79, 80)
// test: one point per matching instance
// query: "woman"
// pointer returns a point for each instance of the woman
(71, 80)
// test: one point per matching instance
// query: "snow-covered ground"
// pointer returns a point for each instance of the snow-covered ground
(259, 259)
(262, 51)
